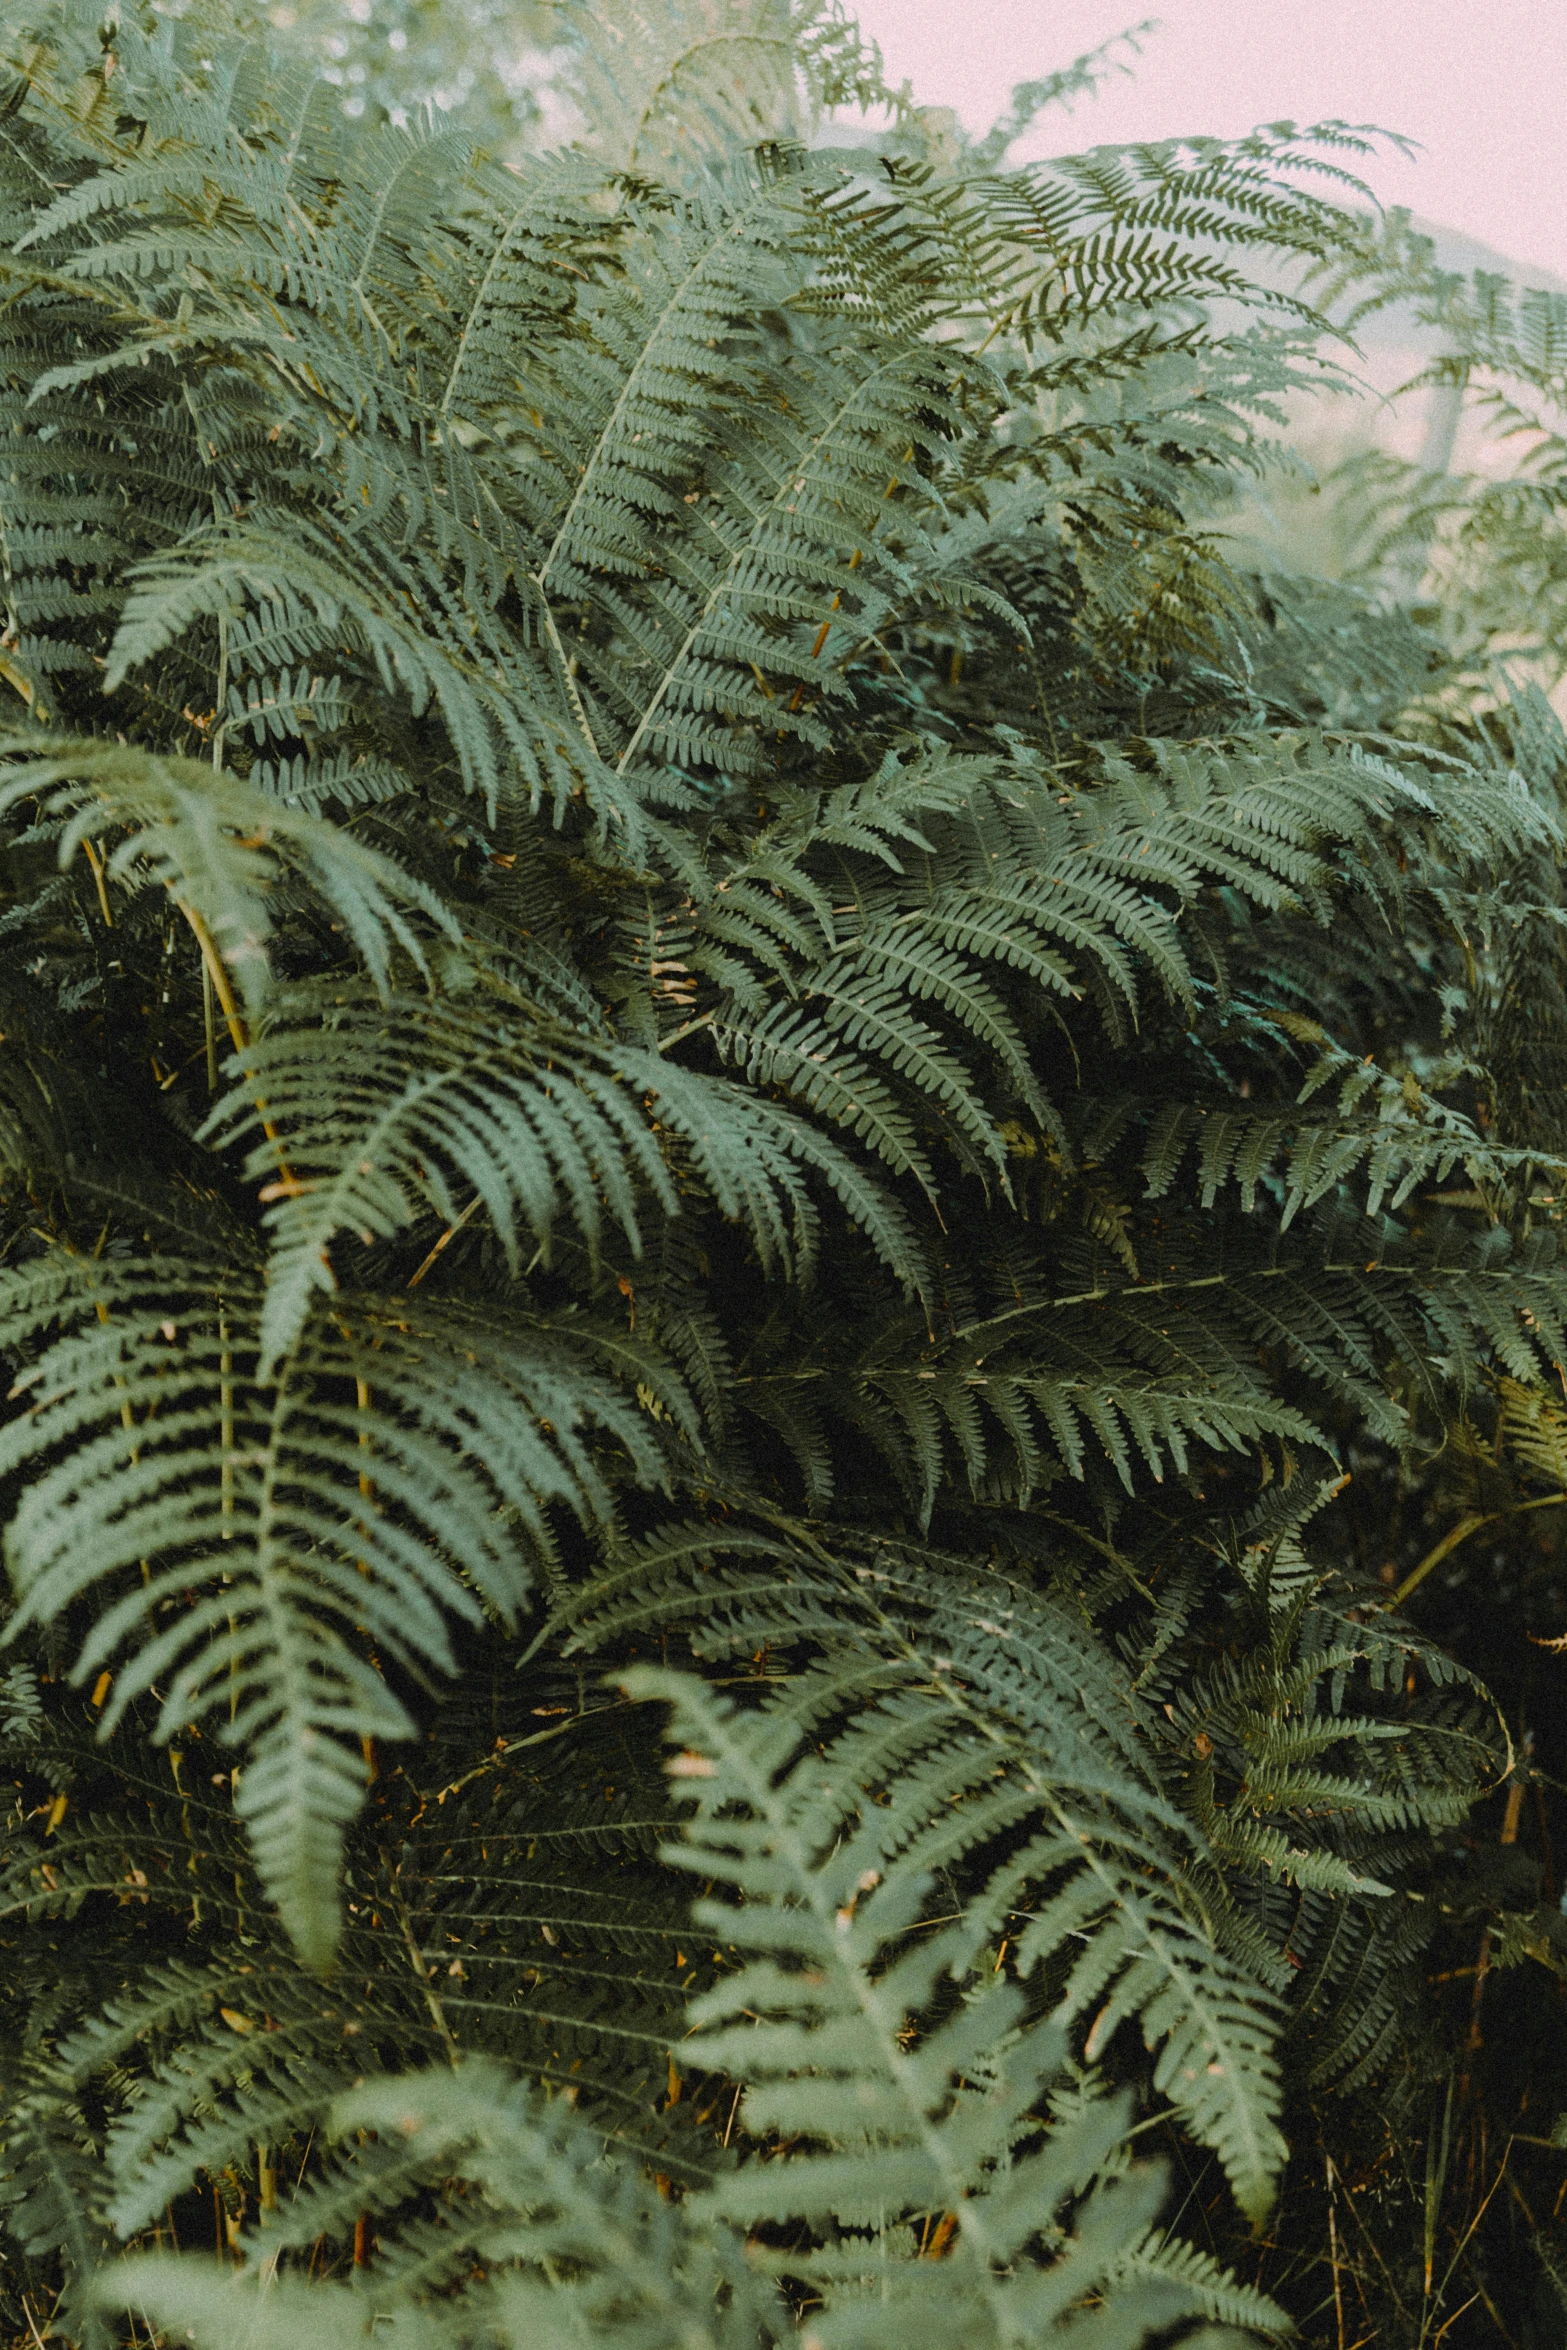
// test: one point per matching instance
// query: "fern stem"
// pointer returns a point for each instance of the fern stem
(1333, 2255)
(209, 1027)
(1461, 1533)
(212, 963)
(609, 433)
(219, 721)
(449, 1234)
(607, 439)
(476, 306)
(96, 862)
(744, 39)
(226, 1427)
(678, 1035)
(432, 1996)
(724, 583)
(568, 673)
(366, 1482)
(127, 1415)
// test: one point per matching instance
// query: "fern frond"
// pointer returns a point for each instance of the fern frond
(269, 1517)
(367, 1109)
(1097, 1837)
(216, 845)
(793, 1833)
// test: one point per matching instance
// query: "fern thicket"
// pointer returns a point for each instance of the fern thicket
(750, 1133)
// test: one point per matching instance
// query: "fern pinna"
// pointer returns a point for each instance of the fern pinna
(707, 1032)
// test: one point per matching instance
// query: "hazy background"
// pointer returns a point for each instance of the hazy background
(1482, 84)
(1477, 87)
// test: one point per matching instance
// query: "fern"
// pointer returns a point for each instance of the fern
(567, 2242)
(1028, 2232)
(1215, 2062)
(689, 972)
(156, 1435)
(216, 848)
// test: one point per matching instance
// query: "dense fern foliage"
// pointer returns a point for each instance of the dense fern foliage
(780, 1238)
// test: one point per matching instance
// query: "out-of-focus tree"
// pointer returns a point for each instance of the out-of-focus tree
(532, 73)
(485, 59)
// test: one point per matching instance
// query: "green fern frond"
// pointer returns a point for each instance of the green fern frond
(369, 1109)
(794, 1835)
(270, 1517)
(216, 846)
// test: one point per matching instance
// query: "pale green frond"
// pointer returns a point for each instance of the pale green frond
(795, 1837)
(244, 1529)
(217, 845)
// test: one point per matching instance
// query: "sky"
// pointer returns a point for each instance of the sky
(1481, 84)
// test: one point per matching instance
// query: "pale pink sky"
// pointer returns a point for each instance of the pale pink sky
(1482, 84)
